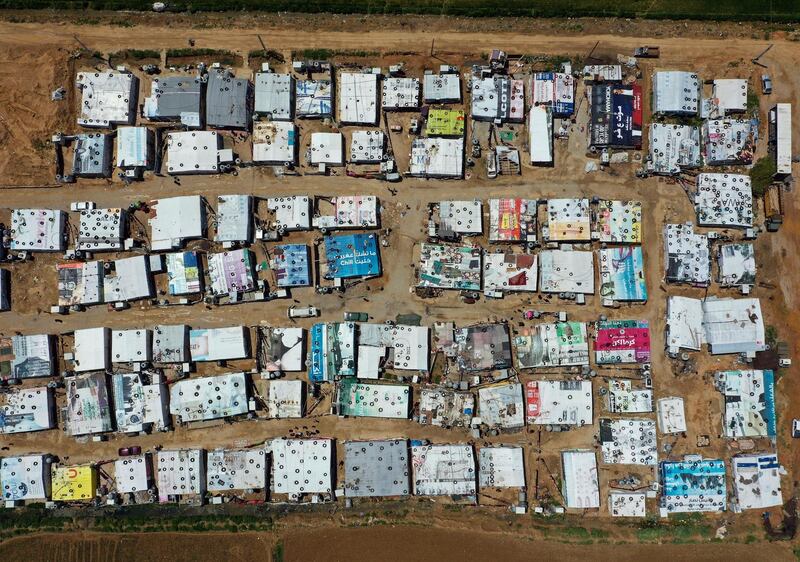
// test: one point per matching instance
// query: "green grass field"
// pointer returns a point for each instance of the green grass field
(737, 10)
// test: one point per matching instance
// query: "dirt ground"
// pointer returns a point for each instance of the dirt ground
(382, 544)
(35, 61)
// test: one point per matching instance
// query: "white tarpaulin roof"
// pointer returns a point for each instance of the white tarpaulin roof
(234, 220)
(367, 146)
(132, 474)
(460, 217)
(676, 92)
(624, 399)
(443, 470)
(628, 441)
(568, 220)
(442, 88)
(350, 211)
(91, 349)
(566, 271)
(181, 472)
(783, 137)
(175, 219)
(671, 415)
(559, 402)
(730, 94)
(37, 230)
(540, 131)
(193, 152)
(129, 346)
(171, 343)
(437, 157)
(285, 399)
(133, 149)
(358, 98)
(275, 142)
(757, 481)
(26, 477)
(510, 272)
(409, 344)
(627, 504)
(208, 398)
(673, 148)
(291, 213)
(107, 98)
(733, 325)
(130, 280)
(273, 95)
(581, 489)
(219, 344)
(724, 200)
(302, 466)
(687, 258)
(684, 324)
(400, 93)
(327, 148)
(501, 467)
(236, 469)
(101, 229)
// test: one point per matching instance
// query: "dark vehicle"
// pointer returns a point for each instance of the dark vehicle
(648, 52)
(356, 317)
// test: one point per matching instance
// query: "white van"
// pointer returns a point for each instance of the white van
(303, 312)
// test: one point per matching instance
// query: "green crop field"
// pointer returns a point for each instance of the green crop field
(738, 10)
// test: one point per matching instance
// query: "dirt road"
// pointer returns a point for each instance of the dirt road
(381, 544)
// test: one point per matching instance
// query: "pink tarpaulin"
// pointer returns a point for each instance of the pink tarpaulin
(625, 339)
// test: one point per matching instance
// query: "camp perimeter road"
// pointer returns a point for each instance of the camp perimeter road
(36, 61)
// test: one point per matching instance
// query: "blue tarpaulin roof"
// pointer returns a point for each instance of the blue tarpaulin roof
(352, 255)
(291, 265)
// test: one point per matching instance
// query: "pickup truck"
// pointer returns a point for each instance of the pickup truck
(648, 52)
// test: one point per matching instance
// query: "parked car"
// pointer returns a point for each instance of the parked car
(303, 312)
(82, 206)
(766, 84)
(795, 428)
(356, 317)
